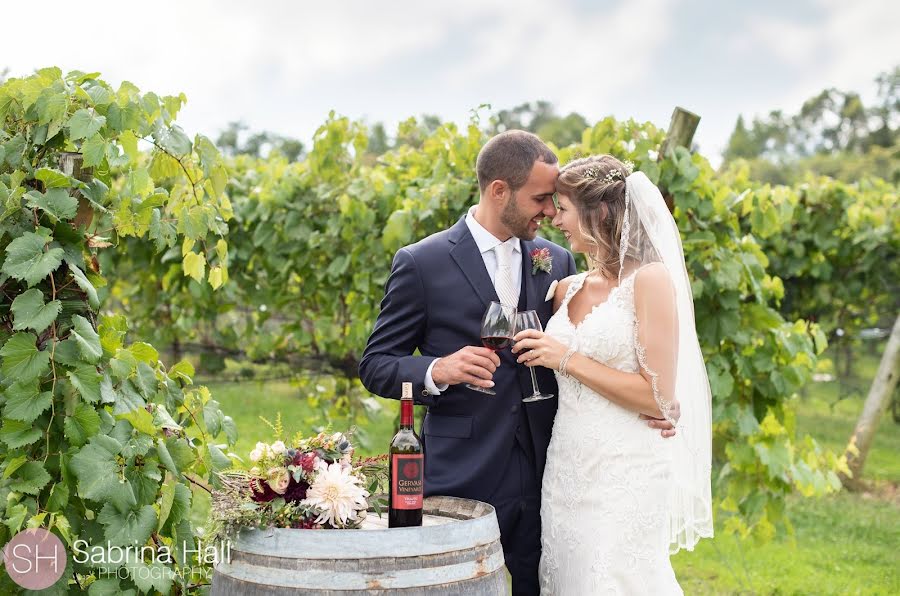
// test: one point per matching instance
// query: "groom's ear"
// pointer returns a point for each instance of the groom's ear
(498, 190)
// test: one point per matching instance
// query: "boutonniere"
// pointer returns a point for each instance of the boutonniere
(541, 260)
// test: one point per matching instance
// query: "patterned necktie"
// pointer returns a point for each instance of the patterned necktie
(503, 280)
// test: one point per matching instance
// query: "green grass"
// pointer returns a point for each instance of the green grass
(844, 544)
(831, 420)
(246, 402)
(832, 427)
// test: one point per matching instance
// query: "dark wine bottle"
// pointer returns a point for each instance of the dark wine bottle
(407, 474)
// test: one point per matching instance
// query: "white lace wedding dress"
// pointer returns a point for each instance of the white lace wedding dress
(604, 497)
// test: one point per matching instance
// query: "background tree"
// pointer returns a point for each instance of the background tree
(743, 143)
(233, 141)
(833, 134)
(540, 118)
(885, 114)
(378, 140)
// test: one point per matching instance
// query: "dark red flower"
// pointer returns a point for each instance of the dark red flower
(296, 491)
(307, 523)
(260, 491)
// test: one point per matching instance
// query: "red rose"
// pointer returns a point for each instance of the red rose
(306, 460)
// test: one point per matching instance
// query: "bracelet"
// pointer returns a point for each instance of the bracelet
(565, 362)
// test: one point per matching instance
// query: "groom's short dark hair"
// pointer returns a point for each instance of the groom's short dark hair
(509, 156)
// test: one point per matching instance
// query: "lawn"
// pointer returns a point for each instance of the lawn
(247, 401)
(844, 544)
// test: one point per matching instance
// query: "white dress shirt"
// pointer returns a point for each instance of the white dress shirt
(486, 243)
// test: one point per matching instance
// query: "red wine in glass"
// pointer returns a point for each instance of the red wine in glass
(498, 326)
(496, 343)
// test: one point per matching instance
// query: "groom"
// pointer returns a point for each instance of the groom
(486, 447)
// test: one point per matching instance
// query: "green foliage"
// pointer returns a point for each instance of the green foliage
(835, 246)
(811, 560)
(310, 248)
(99, 439)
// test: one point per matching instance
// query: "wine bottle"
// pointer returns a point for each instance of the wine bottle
(407, 477)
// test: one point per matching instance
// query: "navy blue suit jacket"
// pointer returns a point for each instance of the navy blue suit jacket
(434, 300)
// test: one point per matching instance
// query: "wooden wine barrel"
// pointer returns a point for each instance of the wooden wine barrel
(455, 551)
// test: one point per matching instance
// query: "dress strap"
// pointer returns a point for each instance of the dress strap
(573, 288)
(626, 286)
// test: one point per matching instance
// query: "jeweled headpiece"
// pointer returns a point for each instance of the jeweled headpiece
(595, 173)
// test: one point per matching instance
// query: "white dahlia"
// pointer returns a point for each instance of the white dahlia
(337, 494)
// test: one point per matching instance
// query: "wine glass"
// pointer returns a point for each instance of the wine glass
(497, 329)
(528, 319)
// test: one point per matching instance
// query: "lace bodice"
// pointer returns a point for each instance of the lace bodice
(606, 334)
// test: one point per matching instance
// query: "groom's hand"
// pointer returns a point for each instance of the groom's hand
(665, 427)
(469, 365)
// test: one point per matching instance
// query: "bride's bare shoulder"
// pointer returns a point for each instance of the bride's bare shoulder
(653, 280)
(560, 292)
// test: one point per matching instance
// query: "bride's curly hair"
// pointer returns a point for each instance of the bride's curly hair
(596, 186)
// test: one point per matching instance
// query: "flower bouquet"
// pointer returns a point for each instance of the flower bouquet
(310, 483)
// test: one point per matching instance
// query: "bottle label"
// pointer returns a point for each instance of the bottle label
(407, 472)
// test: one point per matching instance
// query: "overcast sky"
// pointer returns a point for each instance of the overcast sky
(282, 66)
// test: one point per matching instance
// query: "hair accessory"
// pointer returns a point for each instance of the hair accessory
(594, 173)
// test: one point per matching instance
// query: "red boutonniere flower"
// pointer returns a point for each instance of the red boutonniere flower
(541, 260)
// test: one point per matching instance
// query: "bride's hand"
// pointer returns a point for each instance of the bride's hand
(536, 348)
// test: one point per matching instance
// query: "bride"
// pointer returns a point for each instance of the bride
(618, 498)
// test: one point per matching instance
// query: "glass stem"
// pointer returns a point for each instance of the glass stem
(534, 381)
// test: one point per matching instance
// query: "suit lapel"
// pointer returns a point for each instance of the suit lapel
(467, 256)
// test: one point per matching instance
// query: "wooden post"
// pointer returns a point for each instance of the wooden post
(681, 131)
(680, 134)
(876, 403)
(70, 164)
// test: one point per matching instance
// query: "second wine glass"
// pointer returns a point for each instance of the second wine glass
(528, 319)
